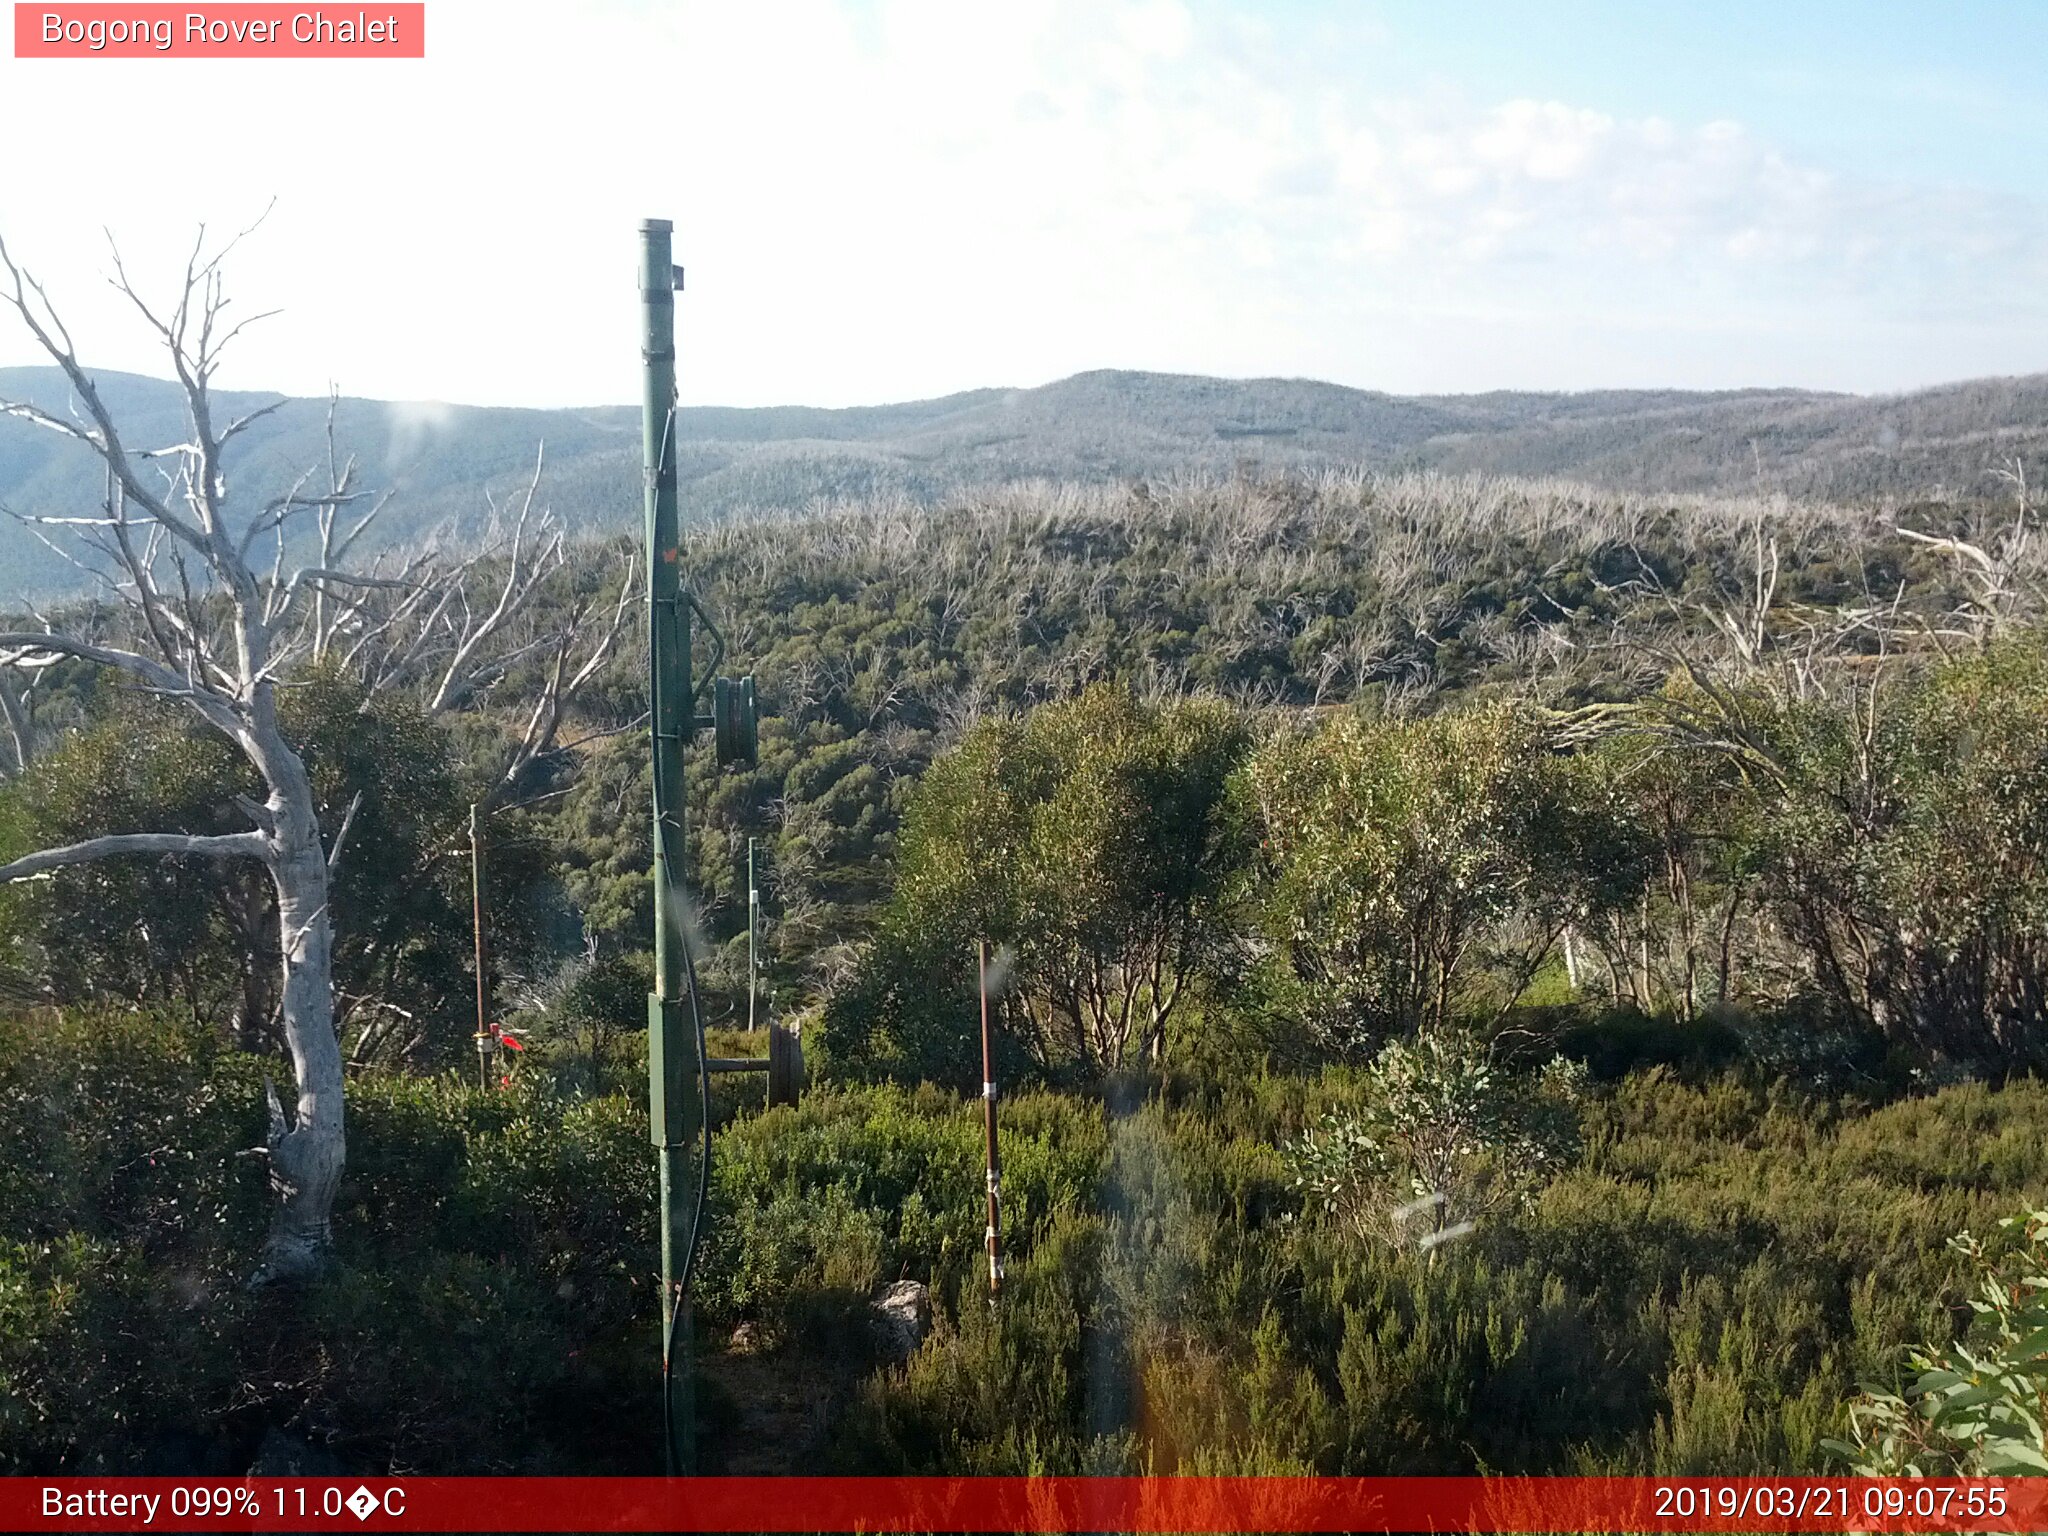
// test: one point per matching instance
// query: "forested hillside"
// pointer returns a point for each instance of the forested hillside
(1499, 975)
(443, 462)
(1006, 943)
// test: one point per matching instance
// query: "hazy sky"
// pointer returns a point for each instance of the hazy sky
(887, 201)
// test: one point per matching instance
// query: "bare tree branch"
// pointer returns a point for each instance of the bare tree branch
(30, 648)
(14, 706)
(524, 571)
(348, 820)
(230, 845)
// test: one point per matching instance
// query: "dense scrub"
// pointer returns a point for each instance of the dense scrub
(1699, 1289)
(494, 1255)
(1697, 1294)
(1854, 878)
(1311, 820)
(882, 633)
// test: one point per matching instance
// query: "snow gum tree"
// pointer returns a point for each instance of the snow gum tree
(212, 602)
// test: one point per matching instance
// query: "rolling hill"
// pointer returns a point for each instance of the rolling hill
(446, 462)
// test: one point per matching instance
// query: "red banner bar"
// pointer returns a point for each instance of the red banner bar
(1023, 1504)
(380, 29)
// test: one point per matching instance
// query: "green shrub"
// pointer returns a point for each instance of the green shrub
(1696, 1287)
(496, 1249)
(1977, 1407)
(1443, 1139)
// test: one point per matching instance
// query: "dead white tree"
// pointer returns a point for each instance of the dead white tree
(14, 704)
(451, 648)
(2002, 567)
(221, 634)
(215, 604)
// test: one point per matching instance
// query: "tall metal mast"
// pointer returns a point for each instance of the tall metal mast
(483, 984)
(678, 1066)
(674, 1044)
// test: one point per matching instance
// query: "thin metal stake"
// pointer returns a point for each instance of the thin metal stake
(753, 924)
(483, 984)
(995, 1161)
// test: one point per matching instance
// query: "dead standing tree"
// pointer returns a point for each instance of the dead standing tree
(450, 649)
(215, 616)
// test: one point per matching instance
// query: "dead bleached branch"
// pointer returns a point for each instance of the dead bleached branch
(231, 845)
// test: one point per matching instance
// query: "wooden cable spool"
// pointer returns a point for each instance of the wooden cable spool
(784, 1064)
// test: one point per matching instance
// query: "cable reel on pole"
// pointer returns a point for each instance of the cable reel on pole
(736, 730)
(784, 1065)
(735, 727)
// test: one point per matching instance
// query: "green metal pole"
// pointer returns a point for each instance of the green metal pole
(674, 1119)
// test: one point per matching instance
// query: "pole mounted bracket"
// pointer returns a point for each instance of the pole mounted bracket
(673, 1107)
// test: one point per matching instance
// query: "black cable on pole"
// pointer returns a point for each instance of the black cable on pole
(682, 1282)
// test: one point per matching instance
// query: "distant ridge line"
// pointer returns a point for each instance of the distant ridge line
(1095, 427)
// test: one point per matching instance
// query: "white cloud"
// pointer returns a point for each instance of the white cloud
(894, 200)
(1541, 140)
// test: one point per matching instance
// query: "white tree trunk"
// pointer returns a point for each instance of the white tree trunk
(308, 1148)
(220, 646)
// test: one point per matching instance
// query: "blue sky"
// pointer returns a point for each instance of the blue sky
(1937, 90)
(893, 199)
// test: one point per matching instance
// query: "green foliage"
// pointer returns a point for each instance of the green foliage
(1443, 1139)
(177, 932)
(814, 1205)
(1977, 1407)
(1693, 1282)
(494, 1286)
(1693, 1292)
(881, 635)
(1088, 842)
(1697, 1287)
(402, 940)
(593, 1008)
(1672, 870)
(201, 934)
(1881, 809)
(1791, 886)
(1402, 861)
